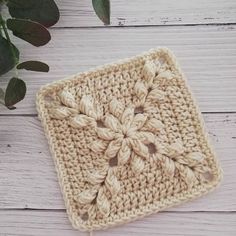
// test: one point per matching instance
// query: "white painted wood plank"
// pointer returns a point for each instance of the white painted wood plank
(55, 223)
(150, 12)
(28, 179)
(207, 55)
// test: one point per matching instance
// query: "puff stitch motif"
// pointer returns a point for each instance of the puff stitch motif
(127, 139)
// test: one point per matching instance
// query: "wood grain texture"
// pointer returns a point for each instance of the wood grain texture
(28, 178)
(146, 13)
(150, 12)
(55, 223)
(207, 55)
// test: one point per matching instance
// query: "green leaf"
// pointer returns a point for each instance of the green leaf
(30, 31)
(43, 11)
(7, 59)
(102, 9)
(33, 66)
(15, 92)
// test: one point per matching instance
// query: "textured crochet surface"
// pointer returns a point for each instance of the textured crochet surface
(127, 140)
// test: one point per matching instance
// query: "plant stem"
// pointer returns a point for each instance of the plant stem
(1, 16)
(3, 24)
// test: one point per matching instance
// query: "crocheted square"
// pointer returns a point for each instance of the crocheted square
(127, 140)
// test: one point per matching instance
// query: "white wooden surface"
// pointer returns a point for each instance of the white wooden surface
(55, 223)
(207, 55)
(203, 36)
(150, 12)
(27, 167)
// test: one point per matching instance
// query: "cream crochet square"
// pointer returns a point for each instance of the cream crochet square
(127, 139)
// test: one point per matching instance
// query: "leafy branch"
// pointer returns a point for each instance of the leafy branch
(29, 21)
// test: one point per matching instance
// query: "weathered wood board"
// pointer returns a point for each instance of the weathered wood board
(207, 56)
(150, 12)
(28, 178)
(55, 223)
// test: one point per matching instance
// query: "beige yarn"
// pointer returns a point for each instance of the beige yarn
(127, 140)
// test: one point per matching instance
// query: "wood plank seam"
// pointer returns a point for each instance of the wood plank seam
(140, 26)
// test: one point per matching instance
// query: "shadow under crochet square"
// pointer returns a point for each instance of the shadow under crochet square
(127, 139)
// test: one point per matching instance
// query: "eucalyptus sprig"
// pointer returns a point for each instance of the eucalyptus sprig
(29, 20)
